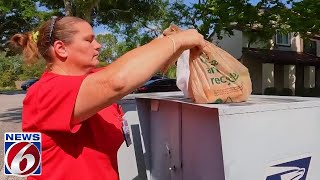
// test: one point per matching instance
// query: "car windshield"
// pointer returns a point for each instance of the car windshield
(149, 82)
(161, 81)
(157, 77)
(32, 80)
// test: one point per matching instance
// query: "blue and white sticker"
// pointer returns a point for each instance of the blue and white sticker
(293, 168)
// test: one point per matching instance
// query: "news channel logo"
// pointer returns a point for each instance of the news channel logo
(22, 154)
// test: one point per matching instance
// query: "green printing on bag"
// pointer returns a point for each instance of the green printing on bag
(212, 70)
(231, 78)
(225, 79)
(205, 61)
(220, 101)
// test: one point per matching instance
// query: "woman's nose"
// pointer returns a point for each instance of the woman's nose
(97, 45)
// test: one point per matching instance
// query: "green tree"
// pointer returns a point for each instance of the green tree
(95, 11)
(304, 17)
(79, 8)
(12, 69)
(137, 29)
(109, 47)
(259, 22)
(18, 16)
(31, 70)
(217, 17)
(9, 68)
(171, 73)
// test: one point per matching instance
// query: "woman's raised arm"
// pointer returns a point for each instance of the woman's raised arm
(131, 70)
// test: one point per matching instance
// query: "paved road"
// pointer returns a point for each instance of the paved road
(10, 121)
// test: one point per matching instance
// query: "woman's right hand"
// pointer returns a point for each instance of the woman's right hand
(189, 39)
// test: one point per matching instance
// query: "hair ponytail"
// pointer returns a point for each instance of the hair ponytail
(24, 43)
(54, 29)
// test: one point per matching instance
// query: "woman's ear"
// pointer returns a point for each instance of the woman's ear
(60, 49)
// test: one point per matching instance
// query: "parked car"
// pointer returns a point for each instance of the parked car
(28, 83)
(158, 85)
(157, 77)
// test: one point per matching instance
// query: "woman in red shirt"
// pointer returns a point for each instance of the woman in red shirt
(73, 104)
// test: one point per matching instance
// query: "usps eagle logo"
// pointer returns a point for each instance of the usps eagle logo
(290, 170)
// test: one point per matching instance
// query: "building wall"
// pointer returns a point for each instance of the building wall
(296, 44)
(289, 77)
(255, 71)
(262, 75)
(258, 44)
(267, 76)
(309, 76)
(232, 44)
(318, 47)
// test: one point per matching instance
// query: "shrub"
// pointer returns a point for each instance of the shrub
(12, 69)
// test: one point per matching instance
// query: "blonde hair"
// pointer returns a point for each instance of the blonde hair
(50, 31)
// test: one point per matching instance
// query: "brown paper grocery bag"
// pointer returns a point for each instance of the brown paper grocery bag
(216, 76)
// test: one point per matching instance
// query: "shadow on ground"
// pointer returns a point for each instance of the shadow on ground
(11, 115)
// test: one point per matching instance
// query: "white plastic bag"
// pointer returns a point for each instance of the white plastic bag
(183, 72)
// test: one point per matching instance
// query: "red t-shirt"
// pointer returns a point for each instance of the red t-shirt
(86, 151)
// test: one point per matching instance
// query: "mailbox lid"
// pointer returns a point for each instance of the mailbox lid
(255, 103)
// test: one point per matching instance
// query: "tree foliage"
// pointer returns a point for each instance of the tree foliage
(258, 22)
(95, 11)
(120, 16)
(139, 21)
(12, 69)
(136, 29)
(79, 8)
(304, 17)
(132, 23)
(262, 20)
(110, 50)
(9, 67)
(18, 16)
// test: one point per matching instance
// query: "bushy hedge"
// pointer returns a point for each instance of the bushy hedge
(13, 69)
(171, 73)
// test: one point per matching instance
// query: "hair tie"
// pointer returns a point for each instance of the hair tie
(35, 35)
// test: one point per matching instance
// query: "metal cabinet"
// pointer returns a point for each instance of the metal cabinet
(267, 138)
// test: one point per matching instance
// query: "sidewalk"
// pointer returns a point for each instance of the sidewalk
(7, 126)
(10, 121)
